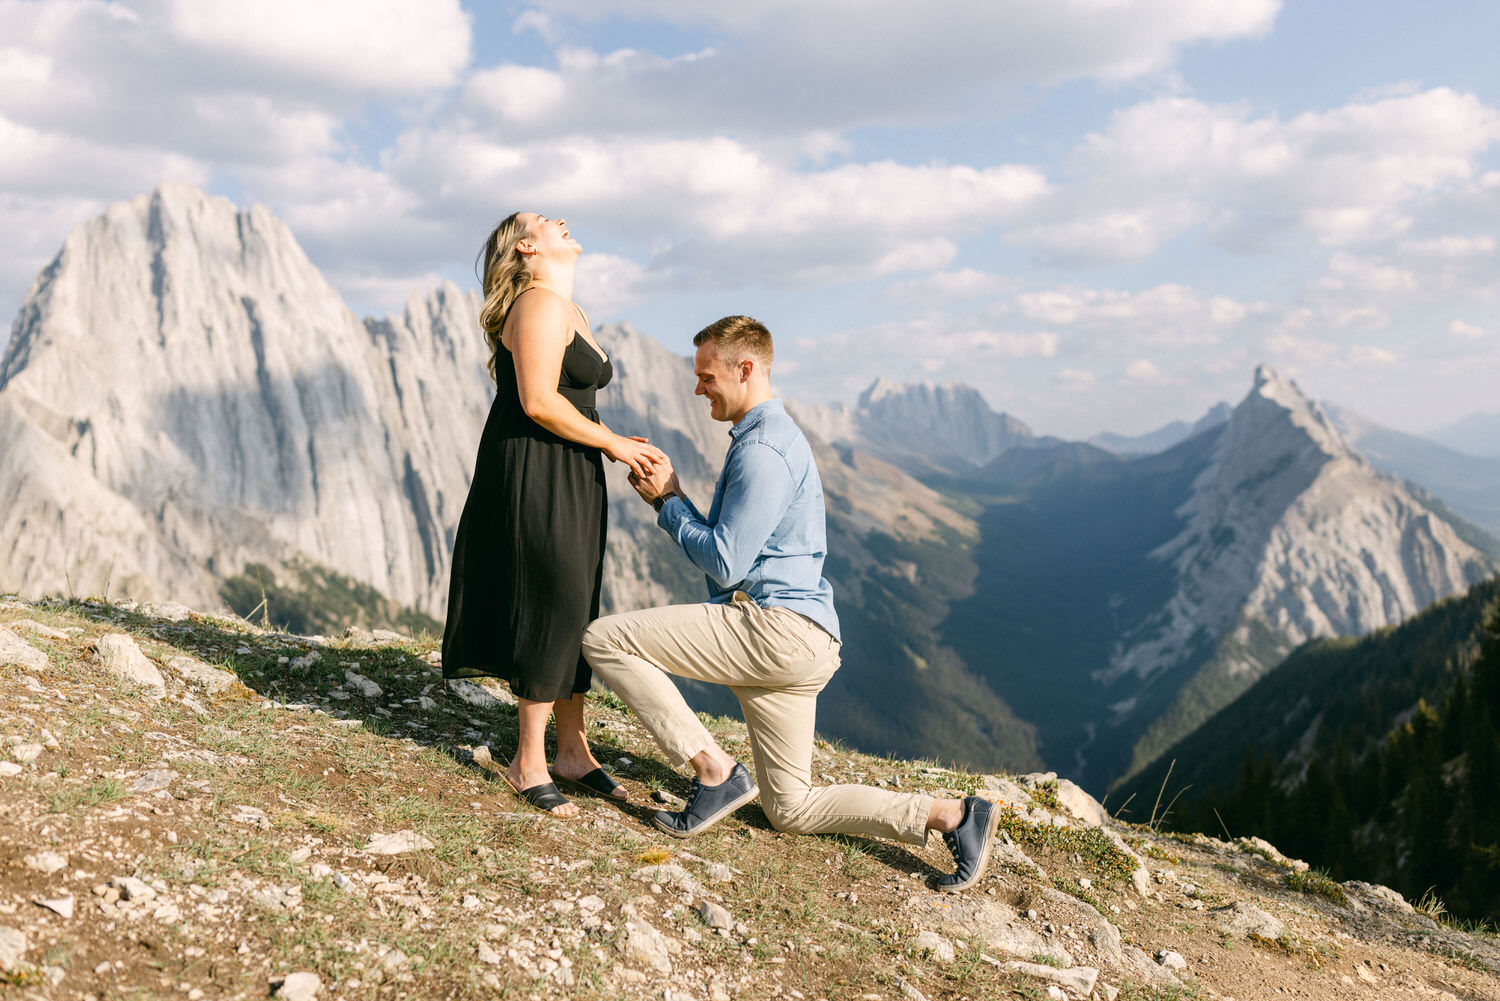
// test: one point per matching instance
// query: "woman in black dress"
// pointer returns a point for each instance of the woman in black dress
(528, 558)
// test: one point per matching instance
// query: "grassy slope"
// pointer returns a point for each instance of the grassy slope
(503, 896)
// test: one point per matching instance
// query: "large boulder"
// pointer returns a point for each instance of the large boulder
(15, 650)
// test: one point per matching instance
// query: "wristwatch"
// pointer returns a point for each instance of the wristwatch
(658, 502)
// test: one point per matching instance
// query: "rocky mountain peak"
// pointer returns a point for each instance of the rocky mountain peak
(950, 425)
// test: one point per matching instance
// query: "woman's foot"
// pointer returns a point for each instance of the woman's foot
(535, 785)
(574, 763)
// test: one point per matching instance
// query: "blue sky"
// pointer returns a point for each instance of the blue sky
(1103, 215)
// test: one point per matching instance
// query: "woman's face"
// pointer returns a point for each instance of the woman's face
(549, 237)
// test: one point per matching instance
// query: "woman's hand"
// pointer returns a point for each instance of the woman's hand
(636, 452)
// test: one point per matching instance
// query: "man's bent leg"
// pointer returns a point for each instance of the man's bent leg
(781, 732)
(633, 653)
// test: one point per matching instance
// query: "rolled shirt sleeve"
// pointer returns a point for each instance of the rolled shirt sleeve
(757, 491)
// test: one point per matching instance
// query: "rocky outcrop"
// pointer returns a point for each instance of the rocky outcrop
(1289, 534)
(922, 426)
(183, 393)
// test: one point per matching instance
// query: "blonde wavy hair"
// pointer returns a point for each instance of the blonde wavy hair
(503, 278)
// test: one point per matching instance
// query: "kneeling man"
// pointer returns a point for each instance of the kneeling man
(768, 630)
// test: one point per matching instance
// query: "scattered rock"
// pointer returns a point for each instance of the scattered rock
(15, 650)
(1247, 919)
(995, 924)
(305, 661)
(940, 947)
(488, 955)
(909, 990)
(252, 815)
(643, 945)
(172, 611)
(119, 655)
(37, 629)
(667, 800)
(159, 778)
(479, 695)
(1171, 960)
(12, 948)
(670, 874)
(425, 704)
(200, 675)
(719, 872)
(1080, 979)
(58, 905)
(398, 843)
(301, 986)
(713, 915)
(132, 889)
(363, 685)
(26, 752)
(1079, 804)
(9, 769)
(46, 863)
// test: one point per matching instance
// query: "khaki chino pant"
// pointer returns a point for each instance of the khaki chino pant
(776, 662)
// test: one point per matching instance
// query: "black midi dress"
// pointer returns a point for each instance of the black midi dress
(528, 559)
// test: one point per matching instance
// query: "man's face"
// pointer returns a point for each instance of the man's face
(724, 385)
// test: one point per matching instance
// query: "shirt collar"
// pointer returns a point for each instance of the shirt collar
(755, 415)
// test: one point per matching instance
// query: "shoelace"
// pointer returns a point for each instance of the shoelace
(950, 838)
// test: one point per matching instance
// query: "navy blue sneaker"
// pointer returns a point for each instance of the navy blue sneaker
(970, 844)
(709, 804)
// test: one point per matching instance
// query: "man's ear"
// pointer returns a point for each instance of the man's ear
(747, 368)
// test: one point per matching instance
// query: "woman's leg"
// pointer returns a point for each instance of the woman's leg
(529, 767)
(574, 759)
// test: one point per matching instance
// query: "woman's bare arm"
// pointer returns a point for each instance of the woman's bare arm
(537, 334)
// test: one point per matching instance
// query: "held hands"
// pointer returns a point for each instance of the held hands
(658, 483)
(637, 453)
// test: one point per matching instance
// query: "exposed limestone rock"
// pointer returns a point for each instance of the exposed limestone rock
(37, 629)
(640, 943)
(13, 948)
(15, 650)
(1079, 979)
(301, 986)
(120, 656)
(931, 942)
(363, 685)
(1247, 919)
(483, 696)
(996, 925)
(200, 675)
(398, 843)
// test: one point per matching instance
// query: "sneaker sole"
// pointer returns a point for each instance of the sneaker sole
(984, 853)
(724, 811)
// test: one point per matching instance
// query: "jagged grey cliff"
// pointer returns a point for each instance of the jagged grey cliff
(184, 395)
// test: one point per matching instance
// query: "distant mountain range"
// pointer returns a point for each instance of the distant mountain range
(1476, 434)
(188, 407)
(1377, 757)
(1163, 437)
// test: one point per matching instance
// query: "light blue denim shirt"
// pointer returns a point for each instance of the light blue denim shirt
(764, 534)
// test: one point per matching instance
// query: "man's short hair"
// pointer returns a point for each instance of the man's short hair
(736, 338)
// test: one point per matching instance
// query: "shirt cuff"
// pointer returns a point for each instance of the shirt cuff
(673, 513)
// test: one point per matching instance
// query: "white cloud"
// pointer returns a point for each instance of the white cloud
(1347, 175)
(786, 65)
(1349, 273)
(1465, 331)
(1168, 314)
(1453, 246)
(1143, 370)
(375, 47)
(1363, 354)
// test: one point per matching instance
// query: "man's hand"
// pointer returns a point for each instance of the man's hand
(661, 482)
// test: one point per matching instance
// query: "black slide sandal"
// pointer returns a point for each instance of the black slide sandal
(595, 783)
(544, 796)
